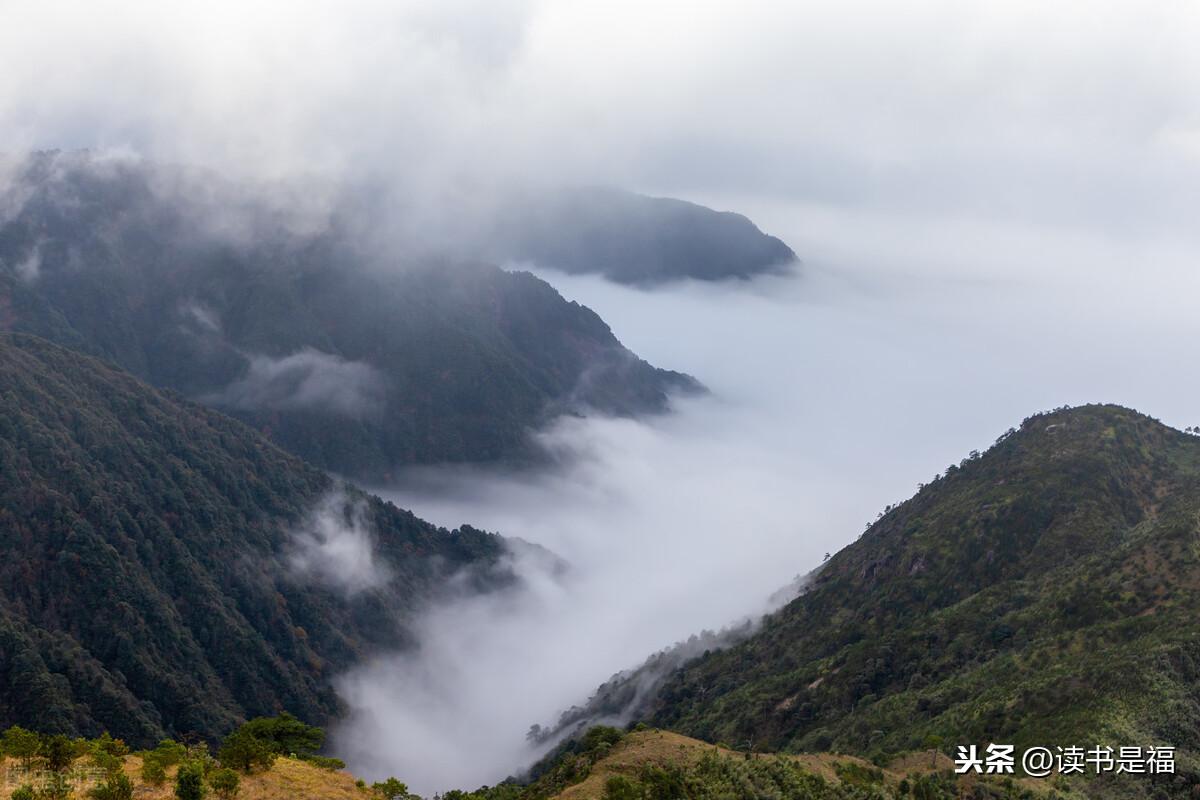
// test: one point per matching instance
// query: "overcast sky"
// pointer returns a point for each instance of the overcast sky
(1080, 114)
(994, 203)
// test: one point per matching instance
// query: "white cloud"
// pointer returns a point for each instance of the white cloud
(306, 379)
(1023, 110)
(336, 547)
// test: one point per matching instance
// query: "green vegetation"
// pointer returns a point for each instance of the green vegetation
(244, 751)
(260, 741)
(658, 765)
(224, 783)
(391, 363)
(189, 781)
(115, 787)
(60, 767)
(391, 789)
(145, 588)
(1043, 593)
(155, 762)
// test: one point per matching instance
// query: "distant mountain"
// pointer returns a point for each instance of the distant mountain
(357, 360)
(1043, 593)
(166, 570)
(631, 238)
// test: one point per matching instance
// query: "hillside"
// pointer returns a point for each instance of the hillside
(647, 764)
(644, 761)
(334, 344)
(631, 238)
(1043, 593)
(288, 779)
(167, 571)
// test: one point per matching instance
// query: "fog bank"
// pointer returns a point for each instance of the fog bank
(895, 351)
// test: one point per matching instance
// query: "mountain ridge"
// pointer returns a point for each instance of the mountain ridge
(1041, 593)
(356, 360)
(155, 582)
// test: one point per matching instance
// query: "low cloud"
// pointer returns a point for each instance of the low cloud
(901, 348)
(203, 318)
(335, 547)
(306, 379)
(29, 269)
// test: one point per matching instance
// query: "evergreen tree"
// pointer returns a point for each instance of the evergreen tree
(20, 744)
(391, 789)
(244, 751)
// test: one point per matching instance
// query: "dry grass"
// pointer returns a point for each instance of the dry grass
(663, 748)
(288, 779)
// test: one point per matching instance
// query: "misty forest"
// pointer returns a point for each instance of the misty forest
(539, 400)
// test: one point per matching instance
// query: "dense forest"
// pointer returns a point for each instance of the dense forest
(356, 358)
(153, 583)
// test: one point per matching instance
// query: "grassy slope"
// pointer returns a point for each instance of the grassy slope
(291, 778)
(288, 779)
(658, 748)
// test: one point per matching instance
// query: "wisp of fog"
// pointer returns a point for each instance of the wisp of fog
(834, 393)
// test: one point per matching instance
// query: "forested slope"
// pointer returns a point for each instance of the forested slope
(154, 578)
(1043, 593)
(355, 354)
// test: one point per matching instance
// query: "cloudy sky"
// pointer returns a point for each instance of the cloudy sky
(1077, 114)
(993, 202)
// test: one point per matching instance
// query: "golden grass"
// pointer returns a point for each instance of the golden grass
(288, 779)
(663, 748)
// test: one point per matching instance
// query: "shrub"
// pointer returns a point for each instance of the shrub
(619, 787)
(189, 781)
(154, 772)
(391, 789)
(115, 787)
(107, 744)
(225, 783)
(23, 792)
(107, 761)
(170, 752)
(58, 752)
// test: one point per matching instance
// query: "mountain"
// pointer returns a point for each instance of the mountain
(355, 358)
(632, 238)
(168, 571)
(1044, 593)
